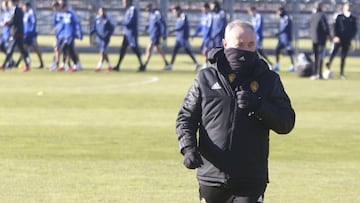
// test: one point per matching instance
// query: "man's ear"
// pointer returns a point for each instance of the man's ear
(224, 43)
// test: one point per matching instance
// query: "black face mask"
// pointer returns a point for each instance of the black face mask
(241, 62)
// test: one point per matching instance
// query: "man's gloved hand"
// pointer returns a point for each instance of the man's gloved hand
(192, 158)
(247, 100)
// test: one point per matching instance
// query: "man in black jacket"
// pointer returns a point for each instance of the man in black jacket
(319, 31)
(344, 31)
(233, 105)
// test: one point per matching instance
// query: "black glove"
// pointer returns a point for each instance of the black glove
(192, 158)
(247, 100)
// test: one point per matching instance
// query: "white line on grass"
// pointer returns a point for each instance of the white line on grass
(139, 83)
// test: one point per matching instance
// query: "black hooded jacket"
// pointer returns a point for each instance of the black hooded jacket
(233, 143)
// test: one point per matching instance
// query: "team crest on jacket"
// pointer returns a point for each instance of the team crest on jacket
(232, 77)
(254, 86)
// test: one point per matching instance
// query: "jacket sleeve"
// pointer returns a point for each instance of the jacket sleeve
(188, 119)
(276, 111)
(354, 27)
(337, 27)
(325, 25)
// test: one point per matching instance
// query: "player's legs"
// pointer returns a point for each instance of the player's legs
(204, 50)
(149, 49)
(318, 51)
(73, 56)
(125, 44)
(103, 56)
(24, 54)
(162, 54)
(344, 53)
(136, 50)
(174, 53)
(290, 52)
(334, 51)
(260, 50)
(36, 48)
(26, 47)
(187, 48)
(278, 49)
(56, 56)
(9, 52)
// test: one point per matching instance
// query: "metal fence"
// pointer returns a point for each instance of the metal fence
(300, 10)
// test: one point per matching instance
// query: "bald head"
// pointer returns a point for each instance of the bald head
(241, 35)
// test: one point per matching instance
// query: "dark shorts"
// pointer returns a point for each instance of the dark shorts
(30, 40)
(62, 42)
(239, 194)
(155, 40)
(216, 42)
(102, 45)
(206, 45)
(182, 43)
(284, 44)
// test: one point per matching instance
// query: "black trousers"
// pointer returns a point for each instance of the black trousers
(345, 46)
(319, 53)
(238, 194)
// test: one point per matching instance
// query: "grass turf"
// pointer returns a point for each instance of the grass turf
(88, 137)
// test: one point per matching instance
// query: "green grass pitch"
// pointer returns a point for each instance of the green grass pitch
(110, 137)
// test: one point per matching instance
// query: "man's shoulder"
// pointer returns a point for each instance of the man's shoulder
(207, 73)
(263, 70)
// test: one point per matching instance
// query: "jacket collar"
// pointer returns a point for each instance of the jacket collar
(216, 57)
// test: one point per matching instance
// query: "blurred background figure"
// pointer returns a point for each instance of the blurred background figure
(5, 33)
(182, 37)
(156, 28)
(30, 34)
(16, 25)
(284, 35)
(345, 29)
(66, 29)
(258, 24)
(218, 24)
(205, 28)
(319, 32)
(130, 26)
(103, 29)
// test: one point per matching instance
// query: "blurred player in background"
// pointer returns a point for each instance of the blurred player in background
(5, 33)
(284, 35)
(182, 37)
(345, 29)
(157, 29)
(30, 34)
(205, 28)
(103, 29)
(67, 34)
(319, 32)
(78, 32)
(130, 24)
(258, 24)
(218, 24)
(56, 19)
(16, 25)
